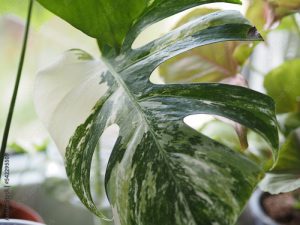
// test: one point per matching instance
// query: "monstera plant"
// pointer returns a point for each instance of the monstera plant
(160, 171)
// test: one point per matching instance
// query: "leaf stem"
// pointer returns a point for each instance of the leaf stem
(16, 87)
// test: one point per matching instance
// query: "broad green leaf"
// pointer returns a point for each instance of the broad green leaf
(285, 176)
(160, 171)
(19, 8)
(112, 21)
(211, 63)
(283, 84)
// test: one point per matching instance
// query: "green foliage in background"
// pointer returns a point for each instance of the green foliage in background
(283, 84)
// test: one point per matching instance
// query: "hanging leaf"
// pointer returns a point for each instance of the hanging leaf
(160, 171)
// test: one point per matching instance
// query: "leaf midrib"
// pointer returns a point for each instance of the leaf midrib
(146, 122)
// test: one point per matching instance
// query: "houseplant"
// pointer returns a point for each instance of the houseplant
(156, 157)
(156, 154)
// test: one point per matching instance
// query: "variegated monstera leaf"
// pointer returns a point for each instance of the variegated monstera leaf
(161, 171)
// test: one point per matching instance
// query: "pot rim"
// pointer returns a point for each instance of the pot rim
(18, 222)
(257, 208)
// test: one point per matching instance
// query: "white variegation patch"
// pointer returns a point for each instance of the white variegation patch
(66, 92)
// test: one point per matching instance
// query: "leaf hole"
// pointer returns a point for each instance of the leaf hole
(100, 159)
(229, 133)
(199, 65)
(107, 142)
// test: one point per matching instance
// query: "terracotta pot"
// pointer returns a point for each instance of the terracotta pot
(19, 211)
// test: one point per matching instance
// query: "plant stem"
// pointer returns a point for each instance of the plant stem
(16, 88)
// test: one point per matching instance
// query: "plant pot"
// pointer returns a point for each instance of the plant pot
(287, 215)
(18, 211)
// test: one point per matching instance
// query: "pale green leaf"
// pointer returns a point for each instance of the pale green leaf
(283, 85)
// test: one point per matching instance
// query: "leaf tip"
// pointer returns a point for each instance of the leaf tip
(253, 33)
